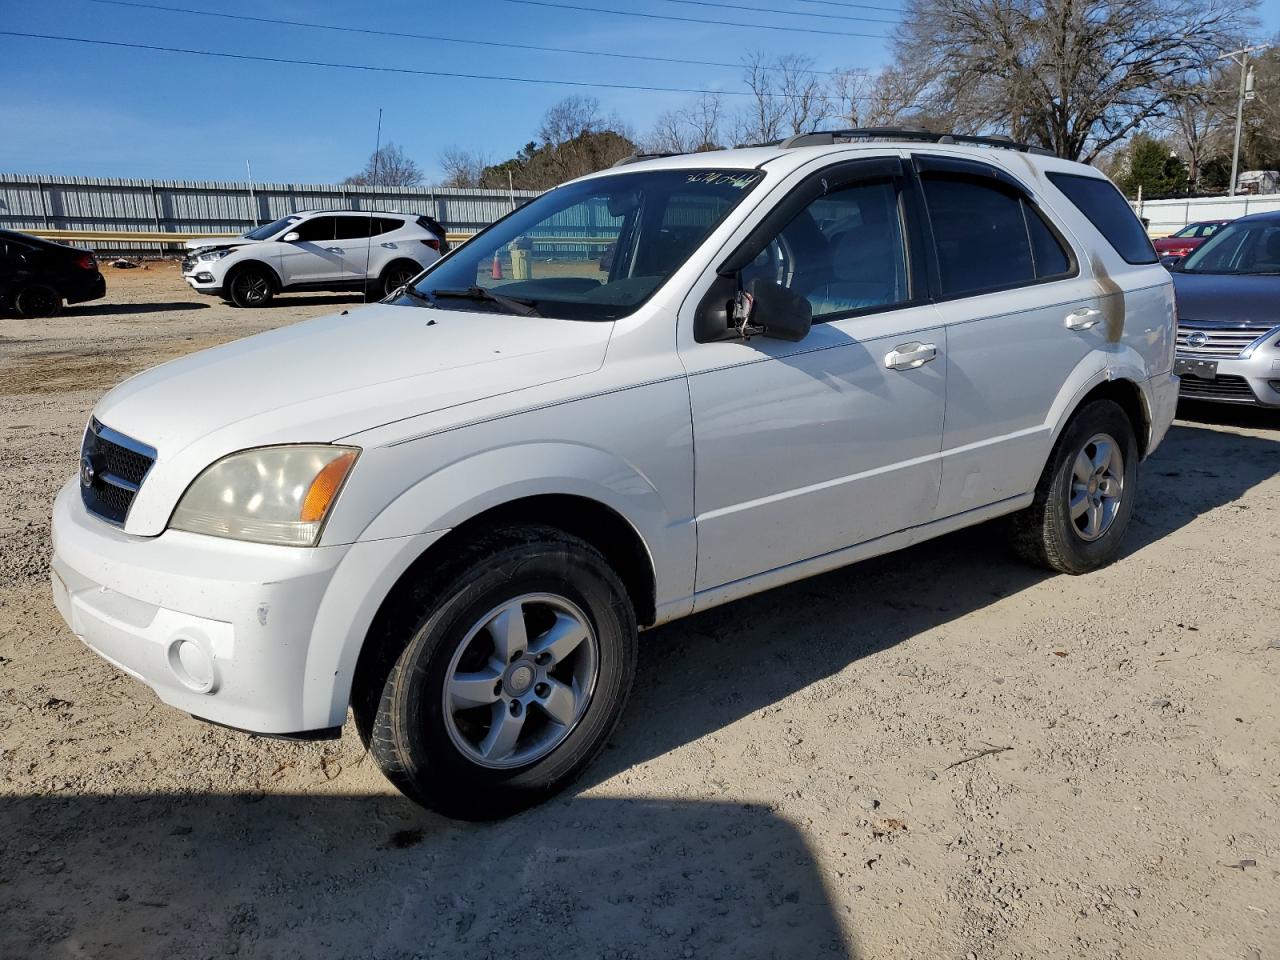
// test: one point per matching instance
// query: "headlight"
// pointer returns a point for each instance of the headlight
(268, 495)
(214, 255)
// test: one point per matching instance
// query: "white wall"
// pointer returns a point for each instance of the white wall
(1170, 216)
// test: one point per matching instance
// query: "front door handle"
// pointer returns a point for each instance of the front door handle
(909, 356)
(334, 249)
(1083, 319)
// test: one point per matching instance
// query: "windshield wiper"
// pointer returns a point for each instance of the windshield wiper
(409, 291)
(517, 305)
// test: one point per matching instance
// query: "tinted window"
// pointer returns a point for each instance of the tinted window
(386, 225)
(1051, 258)
(980, 234)
(844, 252)
(1107, 210)
(317, 229)
(355, 228)
(1246, 246)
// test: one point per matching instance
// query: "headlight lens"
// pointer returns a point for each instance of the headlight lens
(276, 495)
(214, 255)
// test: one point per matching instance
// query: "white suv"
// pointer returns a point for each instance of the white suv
(698, 377)
(316, 250)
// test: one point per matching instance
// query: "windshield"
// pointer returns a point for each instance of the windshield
(1243, 247)
(270, 229)
(593, 250)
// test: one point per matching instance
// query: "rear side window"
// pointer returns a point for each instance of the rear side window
(355, 228)
(988, 237)
(1107, 210)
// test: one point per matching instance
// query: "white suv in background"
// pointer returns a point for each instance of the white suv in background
(315, 250)
(647, 392)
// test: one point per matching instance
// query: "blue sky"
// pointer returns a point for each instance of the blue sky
(100, 111)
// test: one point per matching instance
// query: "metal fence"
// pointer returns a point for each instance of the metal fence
(1170, 216)
(206, 207)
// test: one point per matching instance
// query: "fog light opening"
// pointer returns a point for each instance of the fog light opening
(191, 665)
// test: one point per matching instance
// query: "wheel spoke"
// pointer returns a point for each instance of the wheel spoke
(508, 632)
(1103, 451)
(468, 690)
(1082, 469)
(560, 703)
(1094, 523)
(500, 741)
(1079, 504)
(562, 639)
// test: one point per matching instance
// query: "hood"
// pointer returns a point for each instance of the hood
(205, 243)
(337, 375)
(1227, 299)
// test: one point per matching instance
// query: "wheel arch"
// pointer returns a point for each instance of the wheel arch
(272, 275)
(1127, 395)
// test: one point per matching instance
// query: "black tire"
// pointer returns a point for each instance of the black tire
(399, 698)
(251, 286)
(396, 275)
(1045, 533)
(37, 300)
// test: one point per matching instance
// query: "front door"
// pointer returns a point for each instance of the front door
(805, 448)
(315, 257)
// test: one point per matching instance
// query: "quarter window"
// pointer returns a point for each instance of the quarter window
(988, 236)
(1110, 213)
(844, 252)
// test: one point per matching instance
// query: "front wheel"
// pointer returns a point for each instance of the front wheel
(251, 287)
(397, 275)
(1085, 497)
(493, 686)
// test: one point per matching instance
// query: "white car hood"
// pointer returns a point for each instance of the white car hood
(329, 378)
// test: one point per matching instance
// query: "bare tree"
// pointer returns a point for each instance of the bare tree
(764, 117)
(387, 167)
(462, 168)
(804, 99)
(690, 129)
(1073, 75)
(889, 98)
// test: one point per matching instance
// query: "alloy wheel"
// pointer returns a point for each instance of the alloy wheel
(252, 288)
(520, 681)
(1096, 488)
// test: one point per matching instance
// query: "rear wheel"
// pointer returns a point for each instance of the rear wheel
(1085, 497)
(397, 274)
(497, 681)
(37, 300)
(251, 287)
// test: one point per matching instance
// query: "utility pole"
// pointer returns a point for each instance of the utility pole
(253, 200)
(1241, 58)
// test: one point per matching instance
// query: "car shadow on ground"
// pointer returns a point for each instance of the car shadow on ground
(376, 877)
(710, 670)
(119, 309)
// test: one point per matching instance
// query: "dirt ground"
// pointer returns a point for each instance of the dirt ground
(793, 778)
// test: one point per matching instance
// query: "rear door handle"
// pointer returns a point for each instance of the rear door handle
(909, 356)
(388, 244)
(1083, 318)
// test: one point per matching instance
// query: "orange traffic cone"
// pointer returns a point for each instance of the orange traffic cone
(496, 272)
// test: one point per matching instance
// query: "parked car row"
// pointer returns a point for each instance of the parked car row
(331, 250)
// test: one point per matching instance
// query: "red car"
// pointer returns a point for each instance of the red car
(1188, 238)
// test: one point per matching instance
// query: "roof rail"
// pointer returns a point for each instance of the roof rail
(820, 138)
(637, 157)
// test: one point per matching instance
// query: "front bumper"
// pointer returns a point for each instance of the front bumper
(203, 280)
(1250, 380)
(262, 638)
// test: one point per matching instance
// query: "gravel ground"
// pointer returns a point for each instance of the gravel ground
(793, 779)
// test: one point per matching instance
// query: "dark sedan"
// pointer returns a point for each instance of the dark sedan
(37, 276)
(1228, 294)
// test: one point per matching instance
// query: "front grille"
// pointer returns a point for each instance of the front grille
(1223, 388)
(112, 468)
(1209, 340)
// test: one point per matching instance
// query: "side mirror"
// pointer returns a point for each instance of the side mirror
(778, 312)
(293, 236)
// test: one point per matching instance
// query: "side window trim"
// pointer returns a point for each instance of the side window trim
(976, 170)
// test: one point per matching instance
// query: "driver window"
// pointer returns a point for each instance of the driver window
(317, 229)
(844, 252)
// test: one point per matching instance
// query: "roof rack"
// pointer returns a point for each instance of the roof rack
(821, 138)
(637, 157)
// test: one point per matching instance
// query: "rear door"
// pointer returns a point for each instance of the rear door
(353, 237)
(1020, 316)
(315, 257)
